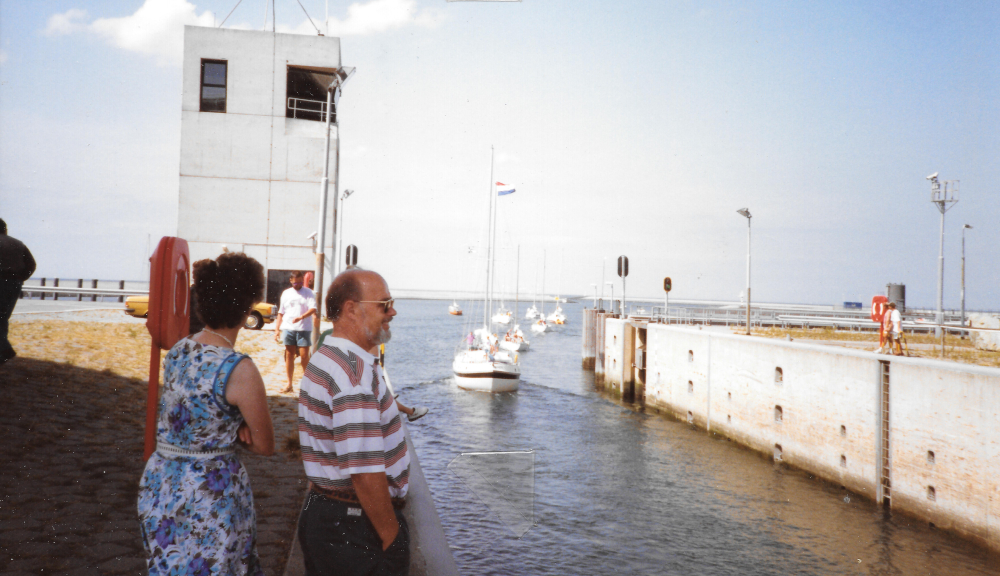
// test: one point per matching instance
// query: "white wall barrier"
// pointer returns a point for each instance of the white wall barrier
(919, 436)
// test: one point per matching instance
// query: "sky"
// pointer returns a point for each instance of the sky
(627, 128)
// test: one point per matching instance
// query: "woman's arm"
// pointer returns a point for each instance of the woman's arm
(246, 392)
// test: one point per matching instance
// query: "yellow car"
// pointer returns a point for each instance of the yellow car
(262, 313)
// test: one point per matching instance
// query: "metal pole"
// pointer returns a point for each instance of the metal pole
(324, 187)
(489, 248)
(939, 319)
(963, 333)
(517, 286)
(603, 266)
(624, 315)
(748, 276)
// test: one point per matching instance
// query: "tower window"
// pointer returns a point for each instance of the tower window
(305, 93)
(213, 85)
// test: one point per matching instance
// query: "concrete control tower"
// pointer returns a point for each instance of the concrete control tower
(253, 124)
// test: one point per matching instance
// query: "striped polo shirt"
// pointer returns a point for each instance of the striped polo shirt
(348, 420)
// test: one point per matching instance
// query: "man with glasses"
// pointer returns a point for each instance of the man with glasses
(353, 445)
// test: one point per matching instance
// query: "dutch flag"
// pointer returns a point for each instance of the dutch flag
(503, 189)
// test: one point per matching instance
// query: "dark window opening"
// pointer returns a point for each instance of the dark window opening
(306, 93)
(213, 85)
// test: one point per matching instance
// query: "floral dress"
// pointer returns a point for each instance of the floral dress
(196, 513)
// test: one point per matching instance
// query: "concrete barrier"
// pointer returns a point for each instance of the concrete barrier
(985, 340)
(919, 436)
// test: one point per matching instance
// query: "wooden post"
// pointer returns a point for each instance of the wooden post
(55, 283)
(43, 284)
(121, 286)
(79, 284)
(93, 284)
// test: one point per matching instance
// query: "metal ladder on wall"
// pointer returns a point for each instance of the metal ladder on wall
(885, 470)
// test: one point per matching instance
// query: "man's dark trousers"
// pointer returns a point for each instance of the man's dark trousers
(10, 291)
(338, 539)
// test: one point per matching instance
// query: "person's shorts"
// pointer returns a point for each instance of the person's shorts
(893, 336)
(300, 338)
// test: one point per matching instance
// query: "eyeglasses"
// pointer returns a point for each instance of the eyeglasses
(386, 303)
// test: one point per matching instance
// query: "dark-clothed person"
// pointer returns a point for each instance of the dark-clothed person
(16, 266)
(353, 443)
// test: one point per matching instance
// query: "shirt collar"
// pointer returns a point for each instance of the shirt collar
(348, 346)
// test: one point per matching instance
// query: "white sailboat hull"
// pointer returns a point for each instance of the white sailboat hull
(515, 346)
(486, 376)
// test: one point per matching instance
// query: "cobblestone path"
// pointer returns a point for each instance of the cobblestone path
(71, 458)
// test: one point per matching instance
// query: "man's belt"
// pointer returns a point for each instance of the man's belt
(350, 496)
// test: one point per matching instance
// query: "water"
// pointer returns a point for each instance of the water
(618, 491)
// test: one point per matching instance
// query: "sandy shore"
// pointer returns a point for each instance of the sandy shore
(73, 437)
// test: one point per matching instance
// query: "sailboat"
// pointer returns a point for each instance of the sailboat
(480, 364)
(454, 309)
(557, 316)
(514, 339)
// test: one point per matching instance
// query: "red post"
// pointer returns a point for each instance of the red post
(167, 320)
(152, 401)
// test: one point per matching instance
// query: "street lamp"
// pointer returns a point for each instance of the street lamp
(612, 284)
(746, 214)
(332, 99)
(595, 295)
(338, 251)
(963, 275)
(945, 197)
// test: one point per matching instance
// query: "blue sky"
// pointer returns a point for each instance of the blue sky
(627, 128)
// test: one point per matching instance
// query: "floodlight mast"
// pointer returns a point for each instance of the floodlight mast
(944, 195)
(332, 98)
(745, 212)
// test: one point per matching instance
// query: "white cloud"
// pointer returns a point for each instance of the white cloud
(380, 16)
(66, 23)
(155, 29)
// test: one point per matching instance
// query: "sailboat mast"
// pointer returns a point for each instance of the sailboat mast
(543, 284)
(517, 286)
(489, 249)
(493, 262)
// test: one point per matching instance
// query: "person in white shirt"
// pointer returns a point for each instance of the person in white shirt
(295, 323)
(895, 329)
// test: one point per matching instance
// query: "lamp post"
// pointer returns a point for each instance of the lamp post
(595, 295)
(746, 214)
(945, 197)
(332, 99)
(612, 284)
(336, 258)
(963, 276)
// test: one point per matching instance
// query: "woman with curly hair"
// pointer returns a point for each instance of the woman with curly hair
(195, 502)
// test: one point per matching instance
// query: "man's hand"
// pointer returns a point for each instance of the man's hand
(373, 493)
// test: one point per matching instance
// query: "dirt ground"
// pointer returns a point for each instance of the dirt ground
(71, 455)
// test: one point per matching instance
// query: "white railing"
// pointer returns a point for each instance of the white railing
(303, 106)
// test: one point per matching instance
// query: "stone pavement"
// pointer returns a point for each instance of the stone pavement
(71, 457)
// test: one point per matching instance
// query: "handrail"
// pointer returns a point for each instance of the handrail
(294, 104)
(87, 291)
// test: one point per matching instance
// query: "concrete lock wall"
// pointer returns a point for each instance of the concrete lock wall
(819, 408)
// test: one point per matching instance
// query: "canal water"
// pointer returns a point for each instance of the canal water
(619, 491)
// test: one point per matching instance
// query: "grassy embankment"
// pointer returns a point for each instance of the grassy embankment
(920, 345)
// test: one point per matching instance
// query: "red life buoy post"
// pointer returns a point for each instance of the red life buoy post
(169, 317)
